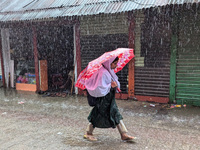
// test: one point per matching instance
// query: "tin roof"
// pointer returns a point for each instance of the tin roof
(18, 10)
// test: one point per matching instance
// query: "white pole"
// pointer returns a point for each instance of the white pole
(75, 62)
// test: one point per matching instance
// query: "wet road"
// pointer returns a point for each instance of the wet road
(32, 122)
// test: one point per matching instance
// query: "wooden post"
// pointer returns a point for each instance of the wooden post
(43, 75)
(78, 51)
(131, 64)
(36, 58)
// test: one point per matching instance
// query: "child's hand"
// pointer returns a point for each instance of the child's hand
(113, 84)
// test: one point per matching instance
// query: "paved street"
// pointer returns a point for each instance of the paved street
(33, 122)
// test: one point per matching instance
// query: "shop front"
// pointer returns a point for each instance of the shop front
(55, 46)
(46, 53)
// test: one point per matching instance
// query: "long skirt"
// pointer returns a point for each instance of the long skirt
(105, 113)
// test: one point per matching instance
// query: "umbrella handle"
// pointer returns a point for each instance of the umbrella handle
(118, 89)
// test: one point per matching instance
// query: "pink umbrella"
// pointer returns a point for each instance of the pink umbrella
(124, 54)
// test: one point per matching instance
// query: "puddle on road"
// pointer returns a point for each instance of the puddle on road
(70, 114)
(77, 107)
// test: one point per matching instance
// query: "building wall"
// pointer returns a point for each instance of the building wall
(104, 24)
(102, 33)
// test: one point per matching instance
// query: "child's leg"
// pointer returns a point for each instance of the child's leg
(89, 129)
(88, 135)
(123, 131)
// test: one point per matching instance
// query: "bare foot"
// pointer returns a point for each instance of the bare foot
(126, 137)
(90, 137)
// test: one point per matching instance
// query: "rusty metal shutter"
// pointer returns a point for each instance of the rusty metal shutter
(188, 60)
(150, 81)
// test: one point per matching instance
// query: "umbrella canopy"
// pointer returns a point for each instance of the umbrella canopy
(124, 54)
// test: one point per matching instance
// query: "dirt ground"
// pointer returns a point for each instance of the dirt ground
(29, 121)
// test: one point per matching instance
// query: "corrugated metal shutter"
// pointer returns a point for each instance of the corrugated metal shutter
(188, 61)
(151, 81)
(188, 77)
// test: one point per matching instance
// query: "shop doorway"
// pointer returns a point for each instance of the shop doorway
(56, 46)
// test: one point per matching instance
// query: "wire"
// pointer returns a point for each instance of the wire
(29, 3)
(135, 1)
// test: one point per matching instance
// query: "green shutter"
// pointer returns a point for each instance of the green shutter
(188, 61)
(188, 77)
